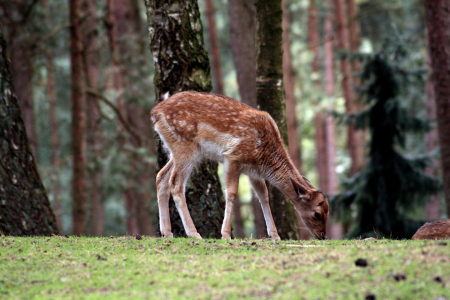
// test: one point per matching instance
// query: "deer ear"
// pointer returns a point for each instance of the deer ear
(300, 190)
(309, 184)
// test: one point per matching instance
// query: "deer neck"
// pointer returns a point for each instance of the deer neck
(279, 175)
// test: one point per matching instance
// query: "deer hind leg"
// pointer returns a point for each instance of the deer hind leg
(163, 192)
(232, 172)
(260, 188)
(178, 177)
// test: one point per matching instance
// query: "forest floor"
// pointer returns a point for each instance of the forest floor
(181, 268)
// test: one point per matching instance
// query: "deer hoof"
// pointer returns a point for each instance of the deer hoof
(196, 235)
(168, 235)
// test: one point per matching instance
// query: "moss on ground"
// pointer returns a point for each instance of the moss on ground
(152, 268)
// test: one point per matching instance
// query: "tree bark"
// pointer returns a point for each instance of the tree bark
(128, 28)
(56, 162)
(242, 14)
(320, 138)
(78, 120)
(433, 207)
(22, 70)
(94, 136)
(289, 78)
(291, 116)
(438, 22)
(335, 228)
(215, 48)
(270, 97)
(344, 47)
(24, 206)
(181, 64)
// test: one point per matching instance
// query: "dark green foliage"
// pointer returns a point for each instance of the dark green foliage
(390, 183)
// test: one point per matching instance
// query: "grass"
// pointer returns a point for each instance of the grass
(153, 268)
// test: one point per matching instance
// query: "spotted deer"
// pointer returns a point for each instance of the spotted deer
(194, 126)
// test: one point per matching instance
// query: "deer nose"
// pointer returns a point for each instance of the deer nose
(323, 236)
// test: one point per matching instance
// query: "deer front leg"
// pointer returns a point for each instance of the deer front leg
(260, 188)
(163, 193)
(232, 174)
(177, 182)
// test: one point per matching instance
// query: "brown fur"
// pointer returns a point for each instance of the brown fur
(438, 230)
(197, 125)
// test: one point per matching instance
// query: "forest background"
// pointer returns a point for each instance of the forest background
(121, 161)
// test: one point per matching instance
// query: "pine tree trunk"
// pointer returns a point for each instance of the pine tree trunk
(215, 49)
(291, 117)
(56, 162)
(343, 42)
(289, 78)
(242, 14)
(181, 64)
(270, 98)
(78, 120)
(94, 137)
(433, 207)
(438, 22)
(24, 206)
(335, 228)
(129, 27)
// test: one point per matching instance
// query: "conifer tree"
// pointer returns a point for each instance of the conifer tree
(390, 183)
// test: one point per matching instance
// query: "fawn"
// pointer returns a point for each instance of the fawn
(195, 126)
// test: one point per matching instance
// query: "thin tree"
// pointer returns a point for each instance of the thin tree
(25, 209)
(432, 208)
(270, 97)
(294, 147)
(91, 60)
(128, 29)
(78, 120)
(344, 46)
(320, 137)
(215, 47)
(438, 22)
(242, 14)
(181, 63)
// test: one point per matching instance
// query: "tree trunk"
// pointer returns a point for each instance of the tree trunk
(270, 97)
(313, 45)
(354, 34)
(181, 64)
(128, 28)
(78, 120)
(56, 162)
(438, 22)
(343, 42)
(215, 49)
(22, 71)
(433, 207)
(25, 209)
(289, 78)
(242, 14)
(335, 228)
(94, 136)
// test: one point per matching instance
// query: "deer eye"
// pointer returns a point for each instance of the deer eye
(317, 216)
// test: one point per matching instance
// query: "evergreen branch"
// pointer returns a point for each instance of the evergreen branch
(121, 118)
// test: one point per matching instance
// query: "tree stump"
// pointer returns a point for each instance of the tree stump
(438, 230)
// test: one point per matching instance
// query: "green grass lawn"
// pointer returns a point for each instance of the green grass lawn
(153, 268)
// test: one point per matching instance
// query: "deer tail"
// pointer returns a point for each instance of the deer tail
(163, 97)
